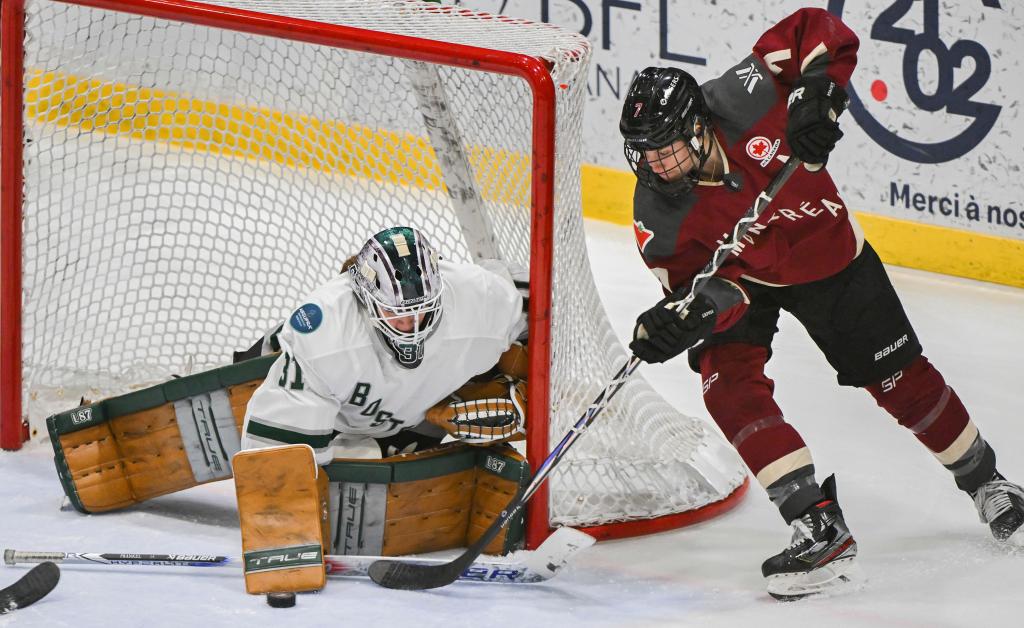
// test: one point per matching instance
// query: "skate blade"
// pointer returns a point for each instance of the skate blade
(839, 576)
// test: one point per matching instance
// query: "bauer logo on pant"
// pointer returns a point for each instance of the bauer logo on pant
(904, 339)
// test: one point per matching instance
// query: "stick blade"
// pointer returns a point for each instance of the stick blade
(557, 550)
(395, 574)
(30, 588)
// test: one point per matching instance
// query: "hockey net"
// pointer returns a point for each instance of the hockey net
(190, 172)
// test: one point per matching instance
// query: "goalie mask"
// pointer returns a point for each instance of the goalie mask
(664, 124)
(398, 281)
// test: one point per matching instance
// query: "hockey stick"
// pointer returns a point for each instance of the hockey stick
(523, 568)
(397, 574)
(30, 588)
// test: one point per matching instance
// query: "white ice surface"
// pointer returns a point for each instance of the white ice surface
(930, 563)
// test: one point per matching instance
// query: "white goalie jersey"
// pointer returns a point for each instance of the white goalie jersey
(336, 383)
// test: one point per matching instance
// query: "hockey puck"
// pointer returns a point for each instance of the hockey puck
(281, 599)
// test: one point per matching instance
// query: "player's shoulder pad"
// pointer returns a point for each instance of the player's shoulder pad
(328, 318)
(486, 278)
(519, 276)
(480, 295)
(741, 96)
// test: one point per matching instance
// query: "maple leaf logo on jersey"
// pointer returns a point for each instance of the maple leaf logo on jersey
(762, 149)
(643, 234)
(757, 147)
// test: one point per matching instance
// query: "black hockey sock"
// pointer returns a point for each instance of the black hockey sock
(795, 492)
(975, 467)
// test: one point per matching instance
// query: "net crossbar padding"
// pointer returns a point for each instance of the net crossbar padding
(176, 176)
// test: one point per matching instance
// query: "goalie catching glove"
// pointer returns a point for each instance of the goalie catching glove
(483, 413)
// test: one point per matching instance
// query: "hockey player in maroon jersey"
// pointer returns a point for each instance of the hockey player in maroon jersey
(701, 154)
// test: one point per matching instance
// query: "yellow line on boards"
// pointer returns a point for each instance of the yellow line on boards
(608, 196)
(292, 140)
(945, 250)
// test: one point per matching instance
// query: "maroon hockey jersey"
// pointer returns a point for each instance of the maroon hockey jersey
(806, 233)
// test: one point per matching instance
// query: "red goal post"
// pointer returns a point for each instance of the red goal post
(550, 185)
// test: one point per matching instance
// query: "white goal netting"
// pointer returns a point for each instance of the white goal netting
(186, 185)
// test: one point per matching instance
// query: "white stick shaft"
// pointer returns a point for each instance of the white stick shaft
(14, 557)
(536, 566)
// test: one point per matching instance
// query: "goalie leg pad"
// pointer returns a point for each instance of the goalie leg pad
(166, 438)
(283, 510)
(500, 472)
(426, 501)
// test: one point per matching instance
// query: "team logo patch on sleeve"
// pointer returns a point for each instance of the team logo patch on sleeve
(307, 318)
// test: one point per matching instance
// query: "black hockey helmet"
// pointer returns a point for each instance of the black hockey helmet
(664, 105)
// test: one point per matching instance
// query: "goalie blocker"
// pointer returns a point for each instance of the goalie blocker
(293, 512)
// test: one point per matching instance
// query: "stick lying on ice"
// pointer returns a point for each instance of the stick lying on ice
(521, 567)
(30, 588)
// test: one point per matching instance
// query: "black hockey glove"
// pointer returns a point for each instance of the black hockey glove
(812, 130)
(666, 333)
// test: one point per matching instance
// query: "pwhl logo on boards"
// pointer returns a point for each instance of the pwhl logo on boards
(942, 75)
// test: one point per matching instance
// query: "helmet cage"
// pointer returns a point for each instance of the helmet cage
(697, 154)
(396, 277)
(693, 143)
(425, 314)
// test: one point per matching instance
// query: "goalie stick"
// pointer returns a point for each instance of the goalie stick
(398, 574)
(30, 588)
(520, 568)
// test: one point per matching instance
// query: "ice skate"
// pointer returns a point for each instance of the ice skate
(1000, 504)
(821, 557)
